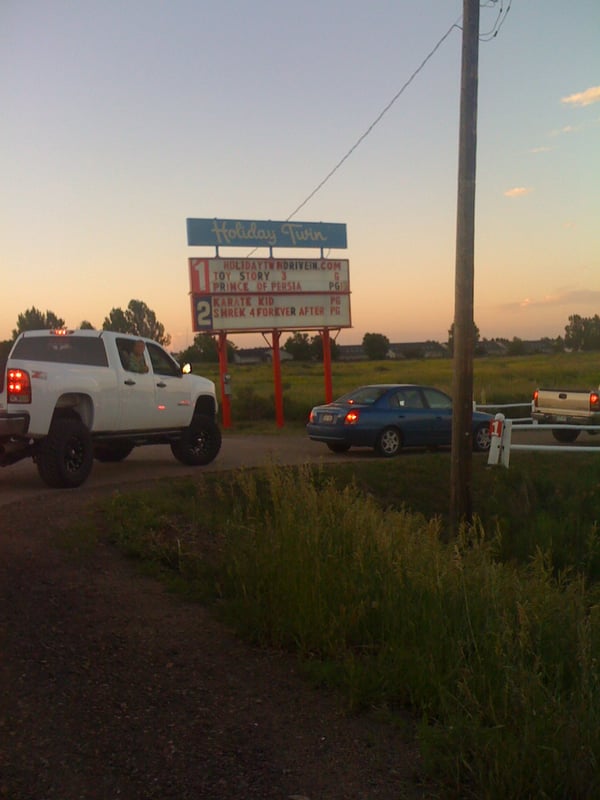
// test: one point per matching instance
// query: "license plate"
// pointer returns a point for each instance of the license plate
(327, 418)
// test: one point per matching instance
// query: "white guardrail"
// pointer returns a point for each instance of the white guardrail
(502, 428)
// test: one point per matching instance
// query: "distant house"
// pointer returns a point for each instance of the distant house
(258, 355)
(492, 347)
(351, 352)
(427, 349)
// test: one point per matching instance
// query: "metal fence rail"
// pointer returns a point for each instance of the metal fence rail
(501, 443)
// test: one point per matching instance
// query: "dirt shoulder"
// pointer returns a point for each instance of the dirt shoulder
(111, 687)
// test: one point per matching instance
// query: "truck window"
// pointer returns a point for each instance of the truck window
(84, 350)
(162, 363)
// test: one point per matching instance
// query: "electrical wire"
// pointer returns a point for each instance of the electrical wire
(500, 20)
(374, 123)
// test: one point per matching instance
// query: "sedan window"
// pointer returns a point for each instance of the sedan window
(437, 399)
(406, 398)
(366, 395)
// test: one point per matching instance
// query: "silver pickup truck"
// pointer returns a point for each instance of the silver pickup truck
(564, 407)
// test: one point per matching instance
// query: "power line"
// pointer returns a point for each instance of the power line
(374, 123)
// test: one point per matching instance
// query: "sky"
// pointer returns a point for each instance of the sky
(122, 118)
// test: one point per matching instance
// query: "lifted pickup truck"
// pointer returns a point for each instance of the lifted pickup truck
(67, 396)
(564, 407)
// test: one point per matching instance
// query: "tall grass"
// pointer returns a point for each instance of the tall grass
(499, 659)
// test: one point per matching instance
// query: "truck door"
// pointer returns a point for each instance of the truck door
(136, 388)
(173, 402)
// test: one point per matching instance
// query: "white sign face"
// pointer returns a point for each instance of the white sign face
(261, 312)
(217, 276)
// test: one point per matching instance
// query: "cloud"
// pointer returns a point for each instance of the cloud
(567, 129)
(518, 191)
(563, 297)
(591, 95)
(541, 149)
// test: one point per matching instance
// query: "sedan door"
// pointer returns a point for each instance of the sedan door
(408, 410)
(440, 405)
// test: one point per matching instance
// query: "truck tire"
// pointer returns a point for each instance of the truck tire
(65, 457)
(199, 444)
(111, 453)
(565, 436)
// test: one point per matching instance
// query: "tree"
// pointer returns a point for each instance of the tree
(316, 347)
(574, 332)
(451, 338)
(205, 349)
(299, 347)
(376, 346)
(86, 326)
(516, 347)
(35, 320)
(139, 320)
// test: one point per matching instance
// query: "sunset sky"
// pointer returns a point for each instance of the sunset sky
(122, 118)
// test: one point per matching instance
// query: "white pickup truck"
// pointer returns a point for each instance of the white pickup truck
(67, 396)
(566, 407)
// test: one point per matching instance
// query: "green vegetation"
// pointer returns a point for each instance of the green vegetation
(496, 380)
(491, 640)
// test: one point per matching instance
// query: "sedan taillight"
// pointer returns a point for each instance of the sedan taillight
(351, 417)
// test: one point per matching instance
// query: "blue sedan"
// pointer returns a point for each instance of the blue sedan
(389, 417)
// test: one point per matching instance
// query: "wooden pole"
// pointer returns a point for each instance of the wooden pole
(461, 503)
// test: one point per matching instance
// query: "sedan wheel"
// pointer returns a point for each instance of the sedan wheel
(482, 439)
(389, 442)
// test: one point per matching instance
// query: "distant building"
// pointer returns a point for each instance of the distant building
(258, 355)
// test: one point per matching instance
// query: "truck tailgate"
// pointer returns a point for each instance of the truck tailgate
(564, 401)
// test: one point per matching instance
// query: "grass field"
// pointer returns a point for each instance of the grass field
(492, 639)
(495, 380)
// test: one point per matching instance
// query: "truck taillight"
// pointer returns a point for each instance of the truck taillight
(594, 401)
(18, 386)
(535, 397)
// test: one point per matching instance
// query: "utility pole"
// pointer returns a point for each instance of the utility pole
(461, 504)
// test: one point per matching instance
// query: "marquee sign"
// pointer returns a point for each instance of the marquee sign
(261, 312)
(268, 275)
(257, 294)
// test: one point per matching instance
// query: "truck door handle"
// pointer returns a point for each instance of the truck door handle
(129, 382)
(161, 385)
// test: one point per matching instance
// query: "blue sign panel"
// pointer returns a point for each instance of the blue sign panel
(249, 233)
